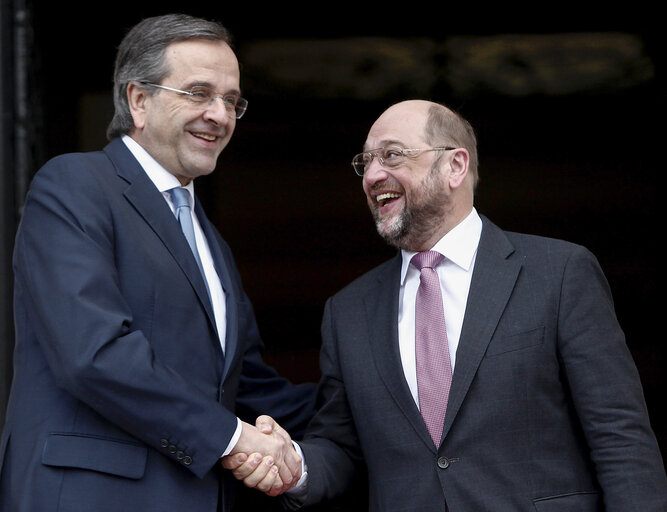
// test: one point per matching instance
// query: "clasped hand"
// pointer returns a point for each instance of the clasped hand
(264, 457)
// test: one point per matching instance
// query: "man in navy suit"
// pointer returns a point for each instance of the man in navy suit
(137, 360)
(544, 409)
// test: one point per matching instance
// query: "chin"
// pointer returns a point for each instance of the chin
(392, 230)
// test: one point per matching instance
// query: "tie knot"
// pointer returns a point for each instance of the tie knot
(426, 259)
(180, 196)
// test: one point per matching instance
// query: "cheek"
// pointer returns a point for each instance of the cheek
(365, 187)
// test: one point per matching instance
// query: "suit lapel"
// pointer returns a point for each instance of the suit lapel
(493, 280)
(149, 203)
(223, 270)
(382, 313)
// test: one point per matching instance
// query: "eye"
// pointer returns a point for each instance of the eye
(200, 94)
(392, 155)
(230, 99)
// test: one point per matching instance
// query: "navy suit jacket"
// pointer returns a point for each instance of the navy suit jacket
(122, 399)
(546, 411)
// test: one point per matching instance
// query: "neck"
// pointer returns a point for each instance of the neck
(419, 242)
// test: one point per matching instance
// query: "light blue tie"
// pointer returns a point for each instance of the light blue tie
(181, 198)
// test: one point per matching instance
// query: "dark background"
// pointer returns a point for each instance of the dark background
(568, 109)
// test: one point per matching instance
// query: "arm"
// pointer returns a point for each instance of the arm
(606, 391)
(330, 446)
(74, 299)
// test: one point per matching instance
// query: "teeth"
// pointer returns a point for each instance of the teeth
(204, 136)
(386, 196)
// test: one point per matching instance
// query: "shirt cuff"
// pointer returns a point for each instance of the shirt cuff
(234, 439)
(299, 490)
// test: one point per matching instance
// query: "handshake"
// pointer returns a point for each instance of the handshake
(264, 457)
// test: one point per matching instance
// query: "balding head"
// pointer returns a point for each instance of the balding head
(437, 126)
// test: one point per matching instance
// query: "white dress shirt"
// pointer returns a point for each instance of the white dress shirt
(459, 246)
(164, 181)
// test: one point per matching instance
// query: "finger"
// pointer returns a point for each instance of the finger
(289, 473)
(292, 461)
(270, 482)
(278, 487)
(234, 461)
(263, 476)
(248, 467)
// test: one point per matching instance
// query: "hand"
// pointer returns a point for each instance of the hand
(264, 457)
(256, 472)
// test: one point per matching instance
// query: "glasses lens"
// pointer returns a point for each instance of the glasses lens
(240, 107)
(391, 156)
(200, 95)
(205, 96)
(360, 162)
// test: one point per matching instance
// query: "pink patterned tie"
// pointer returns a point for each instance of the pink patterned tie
(434, 368)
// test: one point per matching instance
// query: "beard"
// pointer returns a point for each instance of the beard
(422, 213)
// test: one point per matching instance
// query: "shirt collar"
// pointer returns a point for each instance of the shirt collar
(160, 177)
(459, 245)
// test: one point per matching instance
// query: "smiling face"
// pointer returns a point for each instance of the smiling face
(414, 204)
(186, 139)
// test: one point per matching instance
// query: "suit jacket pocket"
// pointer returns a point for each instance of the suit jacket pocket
(517, 341)
(112, 456)
(575, 502)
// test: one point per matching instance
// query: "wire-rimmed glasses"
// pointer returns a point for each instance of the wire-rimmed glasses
(389, 156)
(204, 96)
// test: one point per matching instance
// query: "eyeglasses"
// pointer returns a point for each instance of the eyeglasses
(203, 96)
(389, 156)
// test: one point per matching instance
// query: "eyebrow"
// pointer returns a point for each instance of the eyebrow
(385, 143)
(197, 83)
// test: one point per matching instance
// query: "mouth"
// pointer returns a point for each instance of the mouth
(204, 136)
(387, 198)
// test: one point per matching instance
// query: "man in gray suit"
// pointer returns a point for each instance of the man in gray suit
(544, 406)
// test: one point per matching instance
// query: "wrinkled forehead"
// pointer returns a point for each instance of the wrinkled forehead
(402, 125)
(203, 61)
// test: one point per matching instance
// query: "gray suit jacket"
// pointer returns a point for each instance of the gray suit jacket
(546, 410)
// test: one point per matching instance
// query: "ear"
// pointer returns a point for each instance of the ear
(458, 163)
(137, 97)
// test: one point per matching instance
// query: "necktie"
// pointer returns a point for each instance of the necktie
(181, 199)
(434, 368)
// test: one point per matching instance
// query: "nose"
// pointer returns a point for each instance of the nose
(217, 112)
(374, 173)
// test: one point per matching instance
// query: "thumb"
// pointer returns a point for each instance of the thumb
(265, 424)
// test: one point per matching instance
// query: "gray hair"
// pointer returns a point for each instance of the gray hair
(447, 127)
(140, 57)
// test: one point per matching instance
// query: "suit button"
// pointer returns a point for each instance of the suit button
(187, 460)
(443, 462)
(172, 448)
(180, 455)
(164, 443)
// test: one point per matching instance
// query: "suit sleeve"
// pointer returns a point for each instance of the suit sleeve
(66, 274)
(606, 391)
(262, 391)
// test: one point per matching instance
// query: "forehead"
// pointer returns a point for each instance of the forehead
(201, 60)
(403, 125)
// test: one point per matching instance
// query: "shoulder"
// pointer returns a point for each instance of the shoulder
(540, 257)
(528, 246)
(73, 186)
(73, 170)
